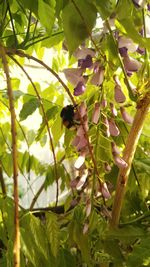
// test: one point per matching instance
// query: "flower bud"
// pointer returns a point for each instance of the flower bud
(119, 161)
(105, 191)
(98, 77)
(88, 207)
(96, 113)
(115, 149)
(113, 109)
(85, 63)
(79, 89)
(131, 64)
(113, 129)
(107, 167)
(79, 162)
(85, 228)
(119, 95)
(126, 117)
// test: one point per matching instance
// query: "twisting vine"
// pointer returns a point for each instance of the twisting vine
(16, 248)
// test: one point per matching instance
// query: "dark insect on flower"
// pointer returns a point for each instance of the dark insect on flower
(67, 114)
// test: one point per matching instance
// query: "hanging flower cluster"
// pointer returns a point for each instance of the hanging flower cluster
(89, 70)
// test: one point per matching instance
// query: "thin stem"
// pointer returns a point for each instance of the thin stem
(47, 125)
(3, 187)
(16, 249)
(128, 155)
(12, 24)
(37, 195)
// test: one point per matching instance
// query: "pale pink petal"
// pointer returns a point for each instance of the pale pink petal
(79, 162)
(97, 78)
(80, 131)
(115, 149)
(104, 103)
(74, 182)
(126, 117)
(82, 180)
(76, 141)
(82, 143)
(88, 207)
(119, 95)
(128, 43)
(105, 191)
(83, 52)
(113, 129)
(131, 64)
(83, 109)
(119, 161)
(85, 228)
(73, 75)
(116, 79)
(96, 113)
(106, 123)
(107, 167)
(113, 109)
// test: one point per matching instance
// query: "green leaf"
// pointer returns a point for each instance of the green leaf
(52, 229)
(105, 7)
(104, 148)
(50, 115)
(28, 108)
(140, 254)
(34, 243)
(46, 13)
(78, 21)
(143, 165)
(66, 259)
(33, 6)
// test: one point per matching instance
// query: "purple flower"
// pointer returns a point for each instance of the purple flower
(123, 51)
(79, 89)
(85, 63)
(98, 77)
(126, 44)
(141, 50)
(131, 64)
(83, 52)
(73, 75)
